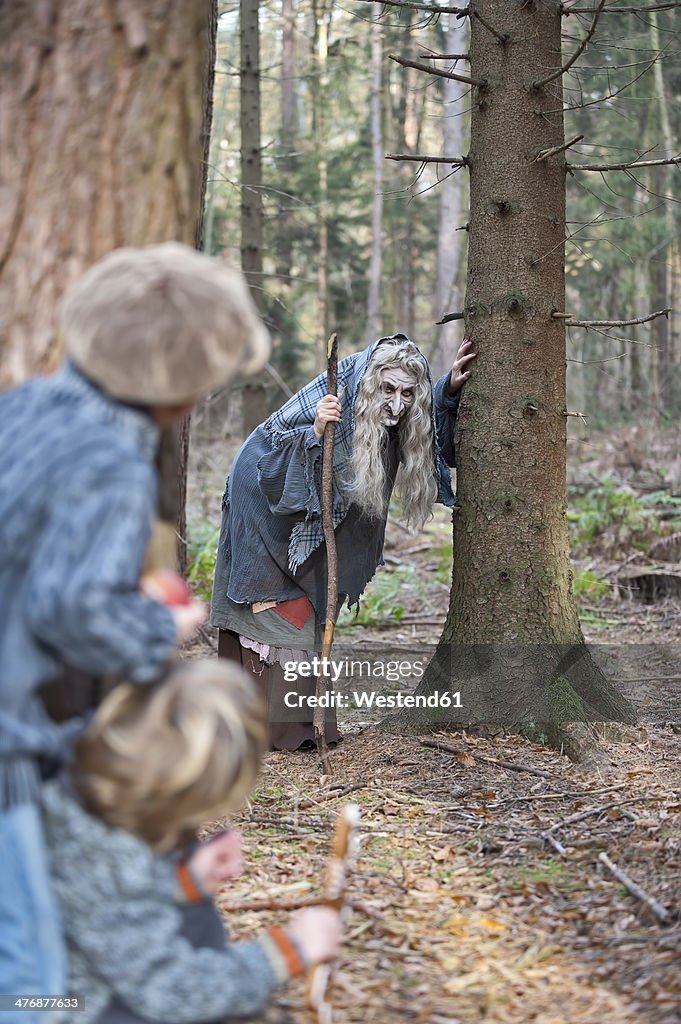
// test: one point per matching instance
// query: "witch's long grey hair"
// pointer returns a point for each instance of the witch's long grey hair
(417, 483)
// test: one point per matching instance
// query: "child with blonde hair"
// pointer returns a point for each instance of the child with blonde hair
(144, 938)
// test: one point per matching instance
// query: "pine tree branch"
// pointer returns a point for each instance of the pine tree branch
(461, 12)
(625, 166)
(445, 56)
(611, 323)
(419, 158)
(566, 11)
(503, 38)
(578, 52)
(546, 153)
(480, 82)
(448, 317)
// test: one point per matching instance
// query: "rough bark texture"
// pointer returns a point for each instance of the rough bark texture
(104, 126)
(101, 120)
(512, 637)
(512, 575)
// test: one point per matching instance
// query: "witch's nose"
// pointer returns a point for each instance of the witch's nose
(396, 404)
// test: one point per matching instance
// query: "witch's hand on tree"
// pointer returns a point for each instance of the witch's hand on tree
(328, 410)
(460, 374)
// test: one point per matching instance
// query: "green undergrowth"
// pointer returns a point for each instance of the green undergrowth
(612, 521)
(553, 873)
(589, 585)
(202, 543)
(383, 601)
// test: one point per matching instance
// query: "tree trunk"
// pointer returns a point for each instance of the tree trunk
(512, 641)
(102, 115)
(323, 27)
(662, 275)
(450, 242)
(211, 245)
(104, 124)
(414, 102)
(251, 158)
(512, 576)
(287, 140)
(373, 304)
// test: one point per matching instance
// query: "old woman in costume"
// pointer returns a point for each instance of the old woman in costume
(393, 428)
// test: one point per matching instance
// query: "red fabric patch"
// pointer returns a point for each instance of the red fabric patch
(192, 893)
(297, 612)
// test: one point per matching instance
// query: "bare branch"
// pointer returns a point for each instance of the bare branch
(445, 56)
(578, 52)
(640, 894)
(419, 158)
(623, 166)
(611, 323)
(546, 153)
(448, 317)
(503, 39)
(431, 8)
(607, 96)
(621, 10)
(480, 82)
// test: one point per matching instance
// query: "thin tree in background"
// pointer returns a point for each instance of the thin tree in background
(661, 267)
(251, 156)
(287, 137)
(451, 236)
(323, 15)
(375, 266)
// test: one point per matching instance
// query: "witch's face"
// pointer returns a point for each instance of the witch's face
(397, 389)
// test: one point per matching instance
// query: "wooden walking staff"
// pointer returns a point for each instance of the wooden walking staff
(343, 848)
(319, 717)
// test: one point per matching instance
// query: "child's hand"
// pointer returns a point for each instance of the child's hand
(217, 860)
(188, 618)
(317, 932)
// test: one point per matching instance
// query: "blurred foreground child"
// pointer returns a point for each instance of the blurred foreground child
(144, 938)
(148, 333)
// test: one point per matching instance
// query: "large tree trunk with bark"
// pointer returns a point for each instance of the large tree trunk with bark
(104, 123)
(100, 146)
(512, 641)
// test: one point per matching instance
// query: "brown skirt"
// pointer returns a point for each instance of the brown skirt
(289, 728)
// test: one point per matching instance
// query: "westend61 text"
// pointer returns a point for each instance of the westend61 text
(369, 699)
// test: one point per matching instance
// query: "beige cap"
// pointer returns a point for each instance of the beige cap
(162, 325)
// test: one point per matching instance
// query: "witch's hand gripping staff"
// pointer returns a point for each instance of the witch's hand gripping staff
(343, 849)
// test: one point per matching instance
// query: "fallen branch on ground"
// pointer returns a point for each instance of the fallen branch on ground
(450, 748)
(657, 909)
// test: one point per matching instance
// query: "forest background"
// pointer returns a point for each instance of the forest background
(333, 105)
(335, 236)
(481, 891)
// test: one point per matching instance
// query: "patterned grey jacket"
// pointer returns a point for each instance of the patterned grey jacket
(77, 500)
(123, 914)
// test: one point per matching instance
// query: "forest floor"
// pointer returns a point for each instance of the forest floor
(478, 893)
